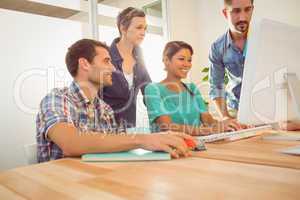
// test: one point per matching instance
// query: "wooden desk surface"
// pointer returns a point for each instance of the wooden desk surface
(253, 150)
(189, 178)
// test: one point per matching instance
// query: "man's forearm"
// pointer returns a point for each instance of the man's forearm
(221, 107)
(74, 143)
(101, 143)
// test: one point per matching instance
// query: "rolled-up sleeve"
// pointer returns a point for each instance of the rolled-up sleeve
(216, 74)
(53, 109)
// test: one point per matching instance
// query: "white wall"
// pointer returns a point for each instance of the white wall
(32, 61)
(182, 25)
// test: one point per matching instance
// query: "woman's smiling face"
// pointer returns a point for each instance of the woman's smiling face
(180, 64)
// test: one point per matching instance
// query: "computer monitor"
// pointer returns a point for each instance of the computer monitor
(271, 80)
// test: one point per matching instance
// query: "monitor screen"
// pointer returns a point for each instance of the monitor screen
(273, 51)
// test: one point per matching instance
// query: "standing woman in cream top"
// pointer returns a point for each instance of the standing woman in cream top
(130, 75)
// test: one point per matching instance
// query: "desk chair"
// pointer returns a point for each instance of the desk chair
(30, 151)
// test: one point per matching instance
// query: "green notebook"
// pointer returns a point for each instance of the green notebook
(133, 155)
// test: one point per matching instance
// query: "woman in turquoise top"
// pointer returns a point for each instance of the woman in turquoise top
(174, 105)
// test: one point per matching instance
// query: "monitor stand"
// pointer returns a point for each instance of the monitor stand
(294, 89)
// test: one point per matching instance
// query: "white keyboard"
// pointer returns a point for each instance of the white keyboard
(234, 135)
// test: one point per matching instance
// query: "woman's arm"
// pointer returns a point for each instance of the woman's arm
(220, 126)
(207, 119)
(164, 122)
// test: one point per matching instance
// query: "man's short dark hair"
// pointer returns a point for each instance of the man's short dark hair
(229, 2)
(84, 48)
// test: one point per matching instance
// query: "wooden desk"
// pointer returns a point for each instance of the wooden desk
(189, 178)
(253, 150)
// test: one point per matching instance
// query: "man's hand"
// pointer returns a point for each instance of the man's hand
(289, 126)
(229, 125)
(221, 108)
(171, 142)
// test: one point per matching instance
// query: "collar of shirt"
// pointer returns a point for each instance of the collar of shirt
(229, 42)
(79, 95)
(114, 52)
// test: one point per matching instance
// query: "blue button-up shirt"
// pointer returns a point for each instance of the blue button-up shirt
(119, 96)
(224, 55)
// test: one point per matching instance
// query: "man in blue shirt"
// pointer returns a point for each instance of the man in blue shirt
(227, 54)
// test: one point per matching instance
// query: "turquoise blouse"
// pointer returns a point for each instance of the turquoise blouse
(183, 108)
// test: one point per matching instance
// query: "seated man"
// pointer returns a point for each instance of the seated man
(74, 120)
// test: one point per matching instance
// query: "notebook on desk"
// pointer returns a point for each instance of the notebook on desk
(291, 150)
(133, 155)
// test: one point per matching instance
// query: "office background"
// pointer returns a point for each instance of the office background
(33, 47)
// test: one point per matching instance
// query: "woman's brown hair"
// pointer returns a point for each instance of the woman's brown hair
(125, 17)
(173, 47)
